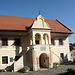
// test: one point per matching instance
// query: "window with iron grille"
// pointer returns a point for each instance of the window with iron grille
(4, 59)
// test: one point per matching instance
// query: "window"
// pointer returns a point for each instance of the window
(11, 59)
(17, 42)
(4, 59)
(4, 42)
(37, 42)
(62, 55)
(17, 57)
(37, 38)
(60, 41)
(53, 41)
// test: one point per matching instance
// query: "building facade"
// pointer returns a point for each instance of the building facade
(35, 42)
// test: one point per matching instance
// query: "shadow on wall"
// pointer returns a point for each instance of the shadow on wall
(64, 60)
(19, 51)
(27, 59)
(10, 68)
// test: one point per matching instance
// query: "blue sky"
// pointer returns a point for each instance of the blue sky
(63, 10)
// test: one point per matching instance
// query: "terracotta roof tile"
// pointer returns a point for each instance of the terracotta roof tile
(58, 26)
(21, 23)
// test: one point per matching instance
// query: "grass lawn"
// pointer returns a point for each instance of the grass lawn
(67, 73)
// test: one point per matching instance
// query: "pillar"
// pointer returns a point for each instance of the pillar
(33, 38)
(41, 38)
(51, 53)
(35, 66)
(51, 59)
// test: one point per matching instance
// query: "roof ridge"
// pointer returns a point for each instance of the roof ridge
(63, 25)
(17, 16)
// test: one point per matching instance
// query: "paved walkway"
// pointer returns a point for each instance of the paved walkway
(54, 71)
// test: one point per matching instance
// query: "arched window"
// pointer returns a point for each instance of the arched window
(37, 38)
(46, 39)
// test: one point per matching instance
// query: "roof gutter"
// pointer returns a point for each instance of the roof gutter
(62, 32)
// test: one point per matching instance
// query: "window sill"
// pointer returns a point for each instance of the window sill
(17, 45)
(60, 45)
(4, 64)
(4, 46)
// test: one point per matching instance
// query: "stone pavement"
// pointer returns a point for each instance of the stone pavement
(54, 71)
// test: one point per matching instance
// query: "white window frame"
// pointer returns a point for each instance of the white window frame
(1, 60)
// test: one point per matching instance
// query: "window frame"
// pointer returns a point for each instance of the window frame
(62, 41)
(8, 59)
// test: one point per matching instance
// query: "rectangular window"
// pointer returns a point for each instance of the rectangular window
(62, 55)
(11, 59)
(60, 41)
(4, 59)
(4, 42)
(17, 42)
(53, 41)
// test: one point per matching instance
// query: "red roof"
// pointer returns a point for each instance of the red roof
(21, 23)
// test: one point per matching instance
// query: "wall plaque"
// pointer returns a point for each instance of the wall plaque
(42, 48)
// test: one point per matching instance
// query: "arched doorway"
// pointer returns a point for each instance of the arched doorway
(44, 61)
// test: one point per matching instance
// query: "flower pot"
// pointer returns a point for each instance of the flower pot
(27, 71)
(57, 65)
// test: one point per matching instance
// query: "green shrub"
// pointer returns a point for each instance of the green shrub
(25, 68)
(57, 63)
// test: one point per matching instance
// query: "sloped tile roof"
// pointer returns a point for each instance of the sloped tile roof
(22, 23)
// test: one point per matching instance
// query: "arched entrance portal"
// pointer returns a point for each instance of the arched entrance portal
(44, 61)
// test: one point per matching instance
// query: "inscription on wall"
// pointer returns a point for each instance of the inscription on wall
(42, 48)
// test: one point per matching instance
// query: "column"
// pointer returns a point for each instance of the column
(49, 40)
(42, 39)
(46, 40)
(51, 59)
(51, 53)
(34, 60)
(33, 38)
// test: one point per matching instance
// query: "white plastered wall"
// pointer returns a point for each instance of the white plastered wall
(57, 49)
